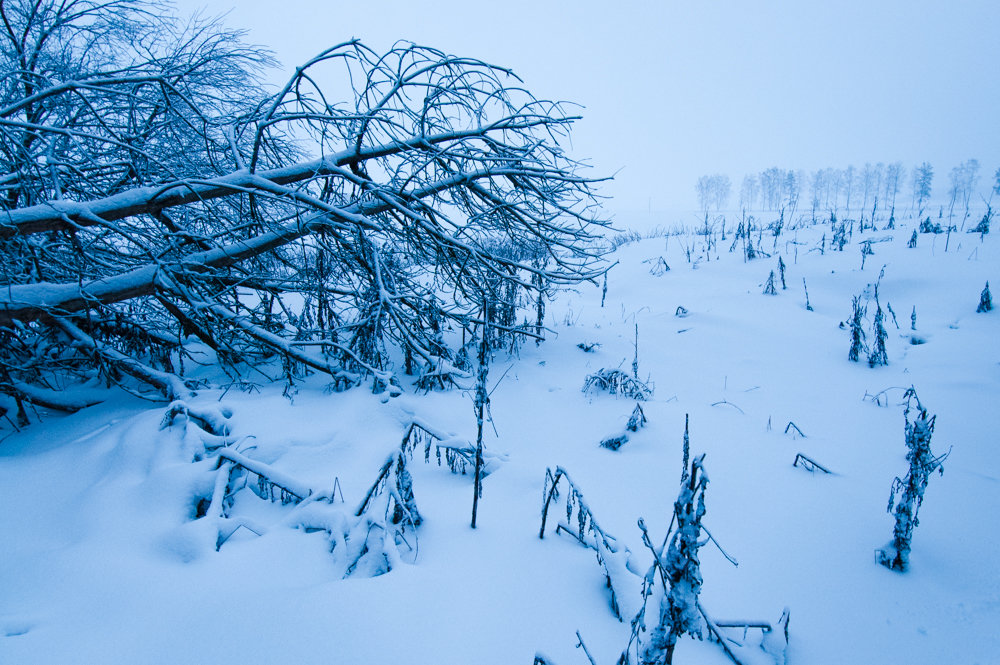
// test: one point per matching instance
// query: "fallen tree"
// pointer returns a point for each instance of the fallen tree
(152, 194)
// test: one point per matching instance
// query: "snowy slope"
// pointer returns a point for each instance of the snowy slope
(101, 560)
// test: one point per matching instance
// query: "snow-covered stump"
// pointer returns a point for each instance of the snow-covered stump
(908, 493)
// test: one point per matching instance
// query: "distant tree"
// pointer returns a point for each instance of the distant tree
(749, 191)
(704, 189)
(963, 179)
(794, 181)
(868, 175)
(923, 178)
(848, 182)
(956, 181)
(817, 186)
(894, 174)
(723, 190)
(713, 191)
(771, 187)
(833, 186)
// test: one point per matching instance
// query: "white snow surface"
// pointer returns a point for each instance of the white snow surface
(102, 561)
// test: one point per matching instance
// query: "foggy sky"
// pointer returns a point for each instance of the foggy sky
(672, 90)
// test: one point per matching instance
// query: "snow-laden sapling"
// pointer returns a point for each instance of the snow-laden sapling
(878, 355)
(985, 300)
(857, 331)
(908, 493)
(679, 612)
(480, 404)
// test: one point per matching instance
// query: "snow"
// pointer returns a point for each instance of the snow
(103, 561)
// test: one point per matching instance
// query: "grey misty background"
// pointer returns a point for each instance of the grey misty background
(673, 91)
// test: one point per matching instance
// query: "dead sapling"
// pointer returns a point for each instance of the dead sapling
(888, 306)
(907, 493)
(781, 273)
(805, 288)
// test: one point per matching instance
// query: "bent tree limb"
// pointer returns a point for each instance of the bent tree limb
(170, 385)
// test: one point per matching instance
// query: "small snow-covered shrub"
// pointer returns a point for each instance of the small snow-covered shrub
(927, 227)
(617, 382)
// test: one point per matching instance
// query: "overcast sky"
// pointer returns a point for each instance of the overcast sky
(672, 90)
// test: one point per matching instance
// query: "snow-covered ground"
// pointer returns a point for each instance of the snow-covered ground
(102, 561)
